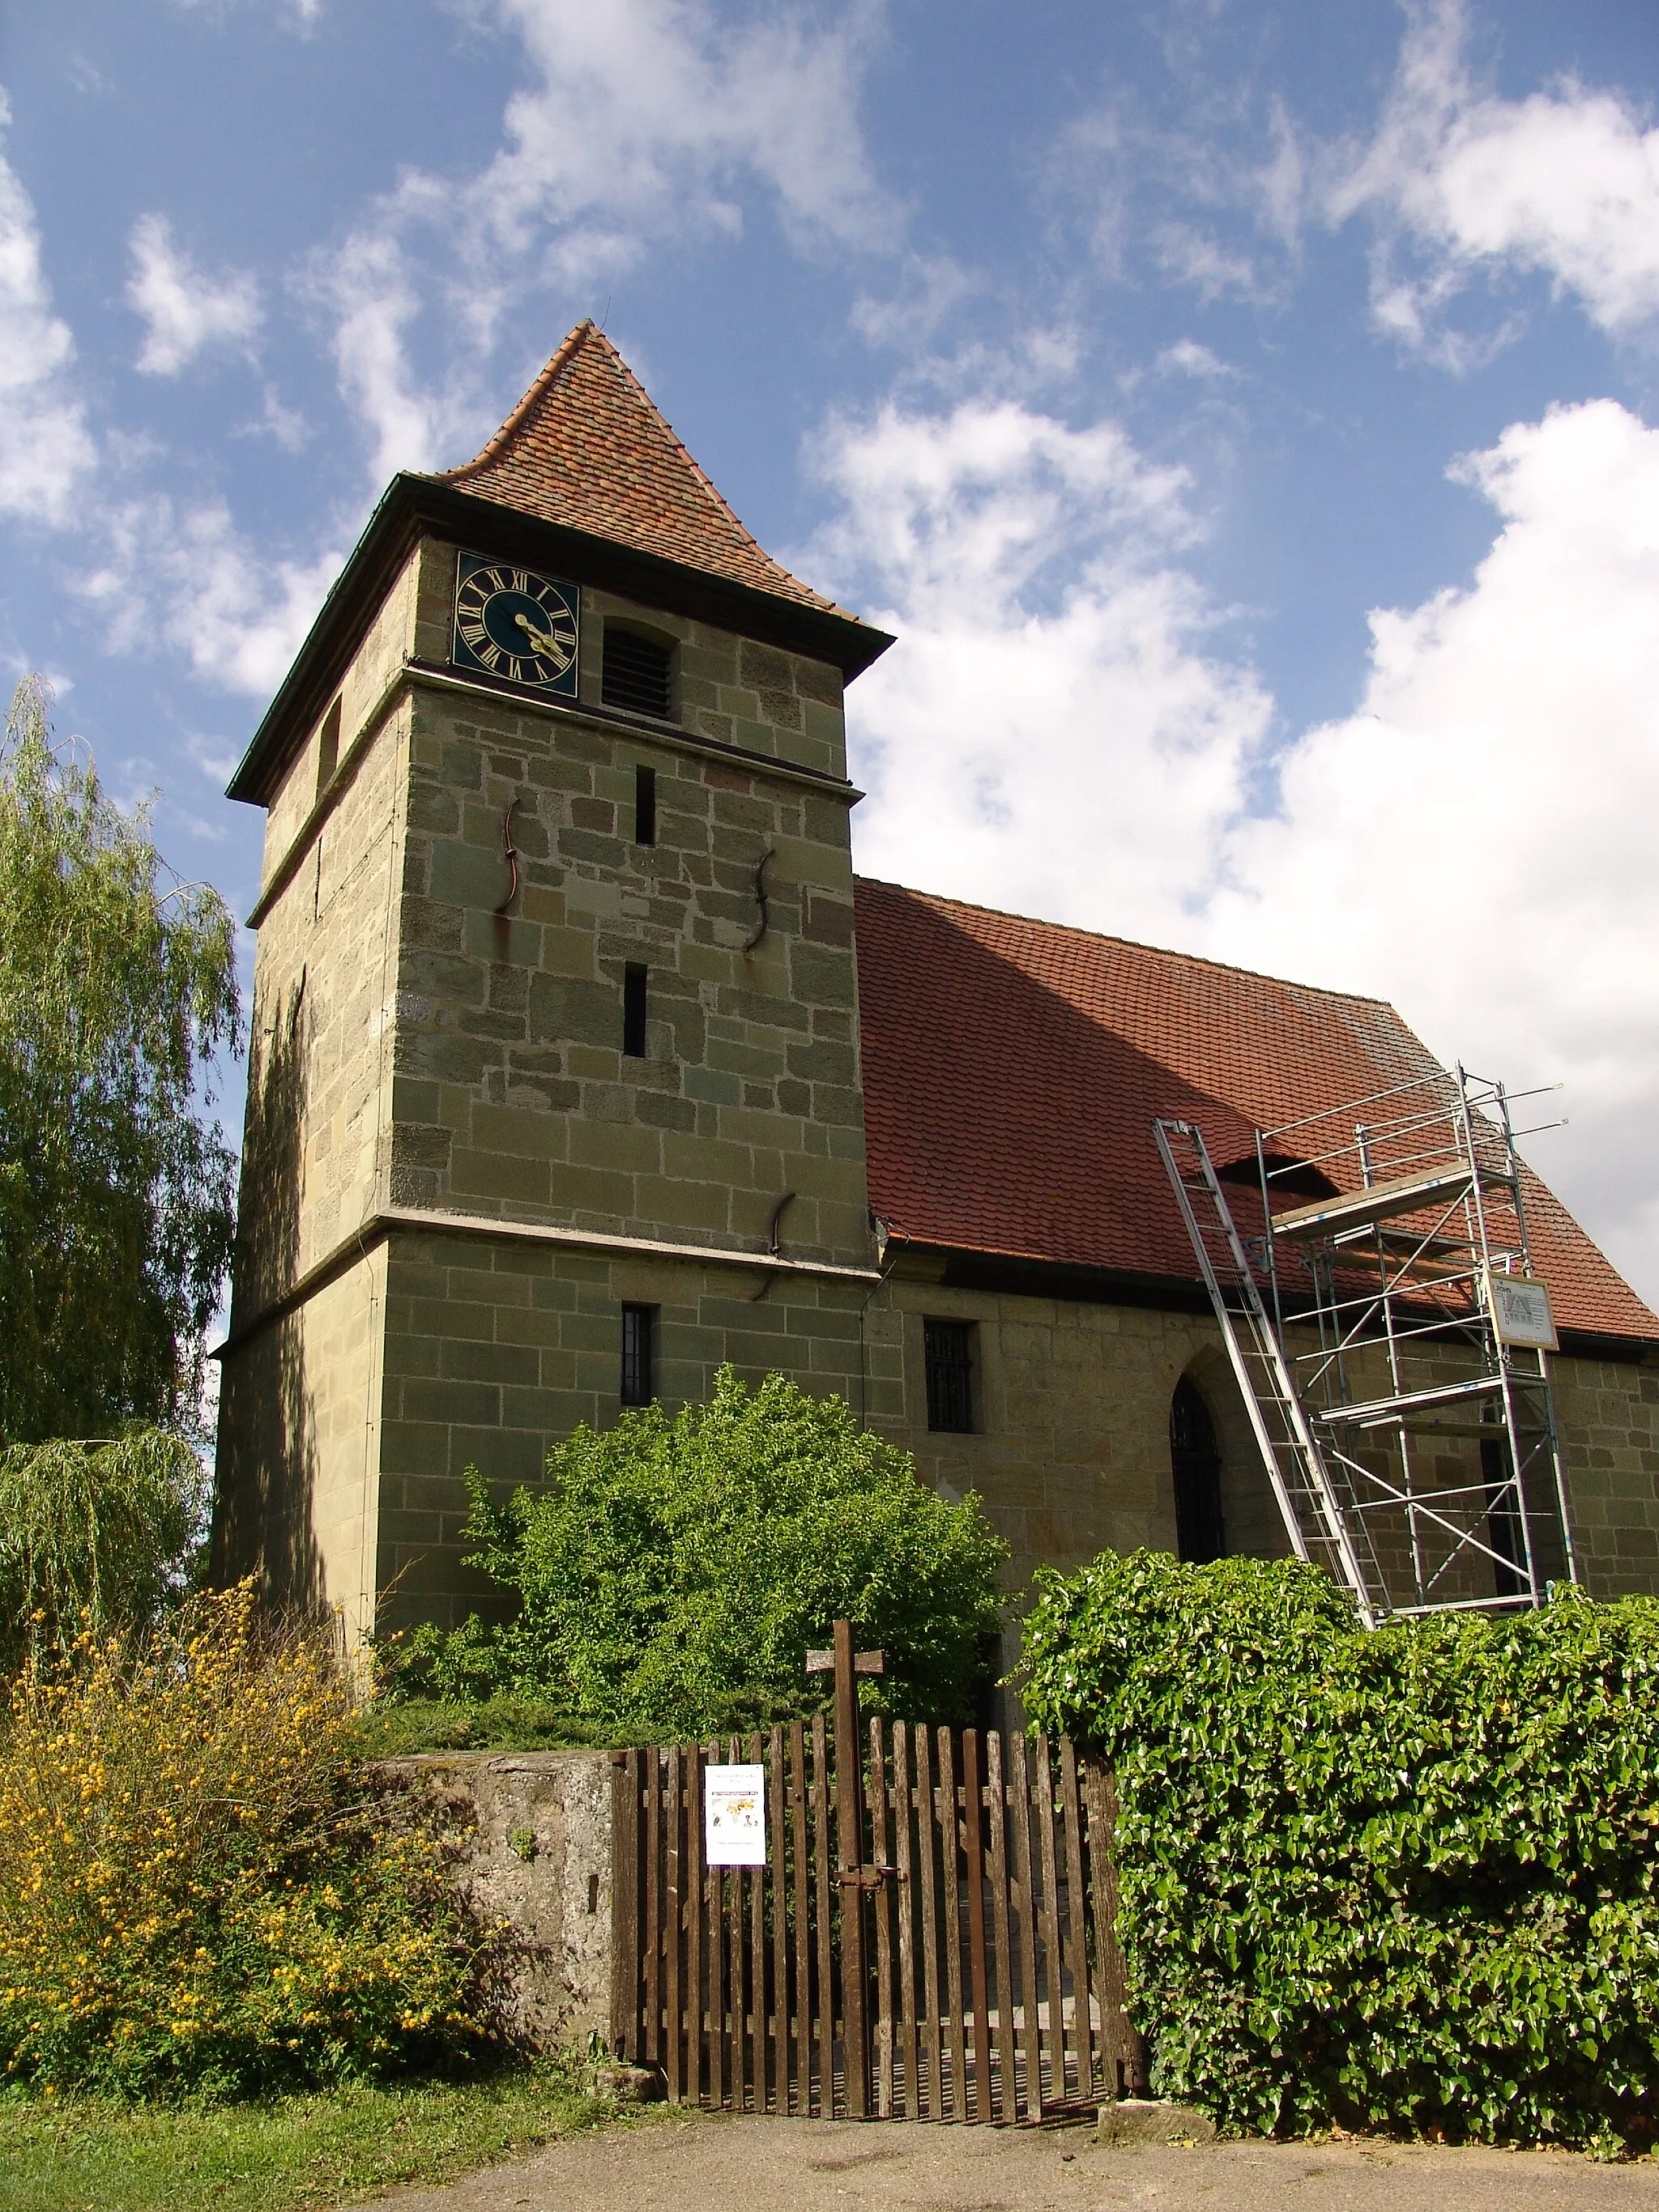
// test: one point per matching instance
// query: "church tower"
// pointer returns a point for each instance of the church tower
(554, 1099)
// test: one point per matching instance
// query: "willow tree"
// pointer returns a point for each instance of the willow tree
(116, 988)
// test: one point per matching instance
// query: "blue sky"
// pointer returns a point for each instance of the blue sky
(1242, 413)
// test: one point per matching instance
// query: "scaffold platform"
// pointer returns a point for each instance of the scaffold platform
(1359, 1323)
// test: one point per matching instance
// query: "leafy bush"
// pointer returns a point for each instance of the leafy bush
(95, 1536)
(674, 1575)
(1406, 1878)
(194, 1896)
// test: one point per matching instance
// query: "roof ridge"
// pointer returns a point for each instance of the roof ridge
(689, 457)
(568, 347)
(1136, 944)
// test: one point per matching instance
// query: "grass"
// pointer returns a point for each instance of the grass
(280, 2156)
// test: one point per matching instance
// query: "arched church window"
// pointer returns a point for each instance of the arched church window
(1195, 1464)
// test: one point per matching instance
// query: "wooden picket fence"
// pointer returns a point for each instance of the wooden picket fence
(962, 1967)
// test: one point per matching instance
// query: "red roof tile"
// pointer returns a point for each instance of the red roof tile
(1012, 1070)
(585, 446)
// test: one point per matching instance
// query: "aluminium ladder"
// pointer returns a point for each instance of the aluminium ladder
(1424, 1365)
(1310, 1500)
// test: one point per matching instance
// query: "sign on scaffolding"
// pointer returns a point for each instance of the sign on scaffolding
(1521, 1312)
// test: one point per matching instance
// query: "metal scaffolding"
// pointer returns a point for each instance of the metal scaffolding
(1391, 1340)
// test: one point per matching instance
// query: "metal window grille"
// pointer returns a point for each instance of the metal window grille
(636, 673)
(949, 1352)
(638, 1334)
(634, 1012)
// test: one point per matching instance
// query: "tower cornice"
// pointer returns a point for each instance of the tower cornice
(417, 506)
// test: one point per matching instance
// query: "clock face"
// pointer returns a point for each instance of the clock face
(511, 623)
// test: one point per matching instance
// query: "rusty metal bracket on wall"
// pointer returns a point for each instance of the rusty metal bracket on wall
(762, 898)
(772, 1243)
(509, 853)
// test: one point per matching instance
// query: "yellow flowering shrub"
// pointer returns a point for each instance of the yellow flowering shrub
(196, 1891)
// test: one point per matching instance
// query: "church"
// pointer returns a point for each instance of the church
(581, 1062)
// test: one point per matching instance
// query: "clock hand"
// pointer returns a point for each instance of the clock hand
(541, 640)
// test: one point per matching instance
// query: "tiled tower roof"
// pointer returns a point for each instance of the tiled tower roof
(586, 447)
(1012, 1070)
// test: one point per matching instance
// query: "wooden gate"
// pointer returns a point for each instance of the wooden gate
(957, 1962)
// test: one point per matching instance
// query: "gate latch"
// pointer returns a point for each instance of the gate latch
(866, 1877)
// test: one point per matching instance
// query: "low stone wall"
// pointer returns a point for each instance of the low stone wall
(531, 1831)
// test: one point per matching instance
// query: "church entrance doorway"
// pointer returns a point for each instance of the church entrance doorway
(1195, 1464)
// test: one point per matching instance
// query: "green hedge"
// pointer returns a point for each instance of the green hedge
(1404, 1880)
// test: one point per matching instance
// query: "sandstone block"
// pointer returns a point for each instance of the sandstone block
(1153, 2120)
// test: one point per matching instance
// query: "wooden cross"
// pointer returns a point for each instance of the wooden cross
(854, 1876)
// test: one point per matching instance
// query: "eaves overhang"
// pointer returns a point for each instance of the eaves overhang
(415, 507)
(964, 1267)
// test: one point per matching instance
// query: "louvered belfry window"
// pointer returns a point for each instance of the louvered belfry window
(636, 673)
(948, 1350)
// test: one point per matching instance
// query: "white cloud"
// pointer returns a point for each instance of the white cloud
(1207, 191)
(1564, 182)
(926, 291)
(186, 312)
(1187, 357)
(1070, 752)
(1060, 730)
(655, 113)
(1477, 841)
(191, 581)
(369, 289)
(156, 573)
(644, 121)
(46, 451)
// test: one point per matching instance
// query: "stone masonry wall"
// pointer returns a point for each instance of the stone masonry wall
(1608, 1412)
(300, 1422)
(299, 1406)
(530, 1835)
(512, 1095)
(495, 1349)
(1072, 1453)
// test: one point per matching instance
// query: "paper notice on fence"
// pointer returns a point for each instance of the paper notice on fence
(734, 1815)
(1521, 1309)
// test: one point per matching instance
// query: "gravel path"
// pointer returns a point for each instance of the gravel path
(685, 2163)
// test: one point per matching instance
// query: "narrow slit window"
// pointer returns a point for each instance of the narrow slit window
(639, 1330)
(636, 673)
(644, 806)
(948, 1352)
(328, 748)
(634, 1012)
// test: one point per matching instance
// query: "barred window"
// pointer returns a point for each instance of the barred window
(948, 1350)
(639, 1330)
